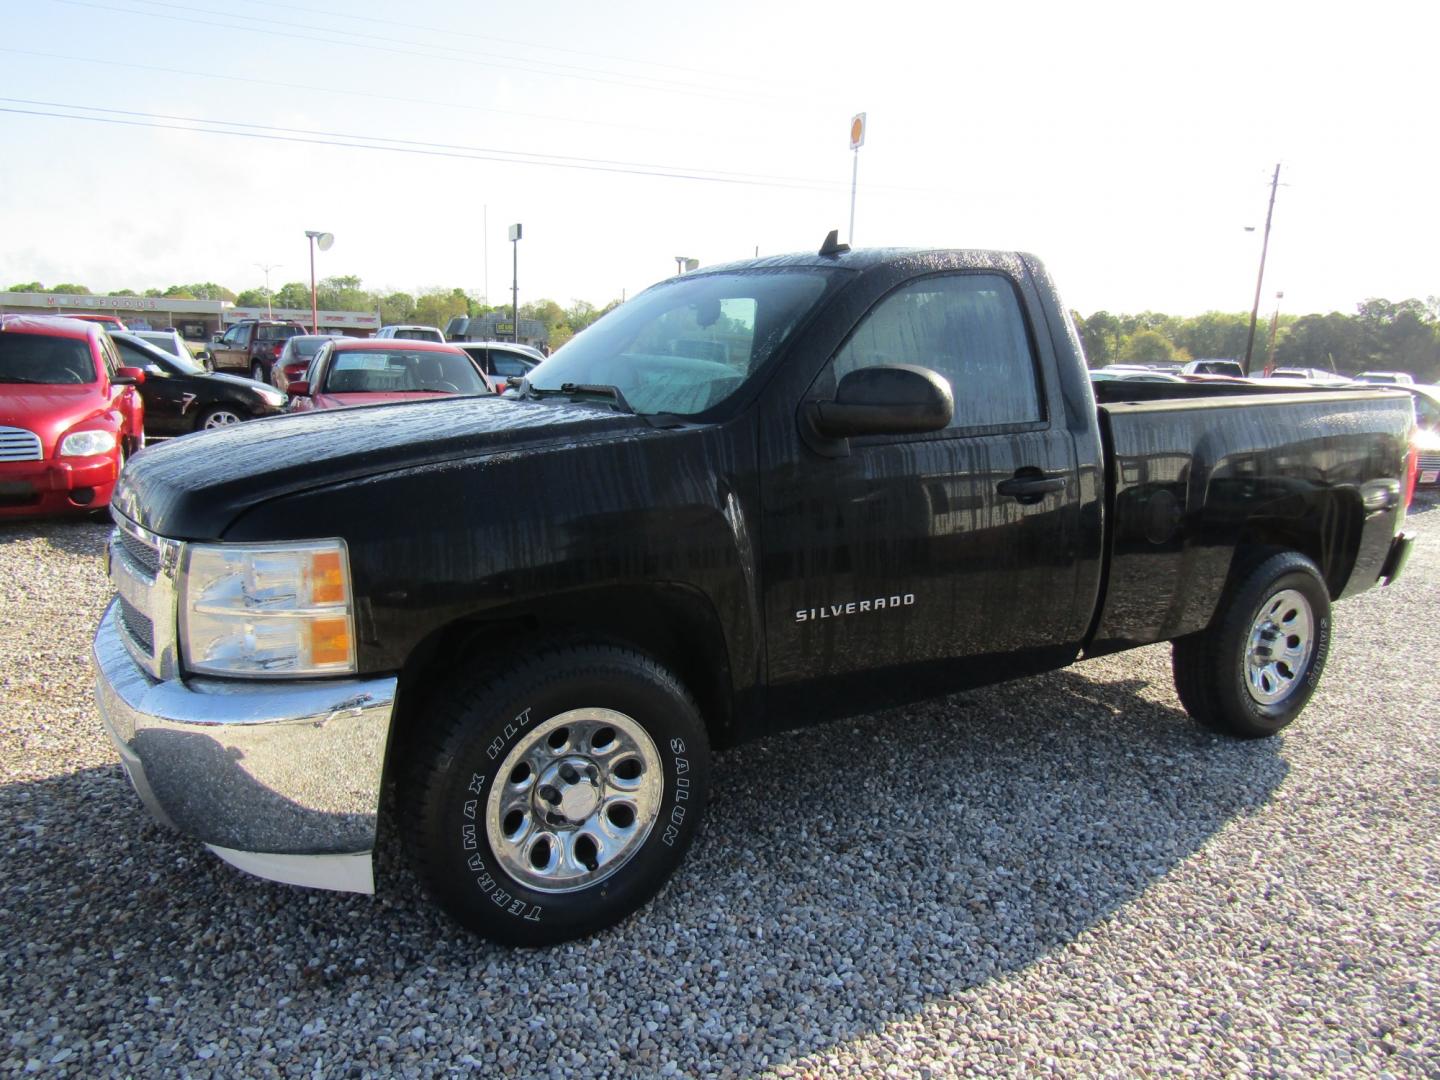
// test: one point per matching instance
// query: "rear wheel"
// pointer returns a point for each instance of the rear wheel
(257, 372)
(554, 798)
(1252, 672)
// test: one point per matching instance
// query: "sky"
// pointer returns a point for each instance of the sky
(1129, 146)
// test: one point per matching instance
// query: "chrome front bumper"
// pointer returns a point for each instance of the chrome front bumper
(281, 779)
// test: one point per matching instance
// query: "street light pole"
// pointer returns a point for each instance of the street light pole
(1260, 278)
(516, 231)
(267, 267)
(324, 240)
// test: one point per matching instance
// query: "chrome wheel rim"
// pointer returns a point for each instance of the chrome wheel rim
(574, 800)
(1280, 646)
(222, 418)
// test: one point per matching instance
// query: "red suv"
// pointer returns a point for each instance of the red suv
(69, 415)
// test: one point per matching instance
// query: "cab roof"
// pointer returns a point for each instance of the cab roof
(52, 326)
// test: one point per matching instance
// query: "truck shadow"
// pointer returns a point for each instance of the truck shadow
(848, 877)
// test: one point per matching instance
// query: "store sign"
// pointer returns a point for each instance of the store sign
(127, 303)
(504, 328)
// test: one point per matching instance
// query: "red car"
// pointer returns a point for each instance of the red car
(368, 371)
(69, 415)
(109, 322)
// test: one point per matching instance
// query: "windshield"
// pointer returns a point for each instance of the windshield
(398, 371)
(418, 335)
(184, 363)
(688, 344)
(41, 358)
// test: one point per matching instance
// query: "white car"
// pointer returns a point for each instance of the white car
(174, 344)
(501, 361)
(412, 333)
(1386, 378)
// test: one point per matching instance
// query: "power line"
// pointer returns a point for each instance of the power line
(469, 59)
(331, 90)
(493, 152)
(456, 32)
(659, 171)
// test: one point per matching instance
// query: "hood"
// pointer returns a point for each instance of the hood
(49, 410)
(241, 380)
(194, 488)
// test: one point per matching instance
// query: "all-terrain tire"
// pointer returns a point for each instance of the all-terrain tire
(553, 796)
(1253, 670)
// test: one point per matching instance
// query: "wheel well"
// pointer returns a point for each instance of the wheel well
(1324, 528)
(676, 626)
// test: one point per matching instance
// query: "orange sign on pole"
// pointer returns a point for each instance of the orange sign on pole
(857, 131)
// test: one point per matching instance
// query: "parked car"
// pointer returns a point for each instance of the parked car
(502, 363)
(368, 371)
(536, 615)
(1315, 376)
(411, 333)
(1109, 374)
(70, 415)
(181, 396)
(174, 344)
(295, 358)
(1233, 368)
(1386, 378)
(253, 346)
(110, 322)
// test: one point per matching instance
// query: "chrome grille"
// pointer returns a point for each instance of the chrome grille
(138, 626)
(143, 569)
(18, 444)
(145, 556)
(1430, 460)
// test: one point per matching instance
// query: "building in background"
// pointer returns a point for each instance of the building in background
(196, 320)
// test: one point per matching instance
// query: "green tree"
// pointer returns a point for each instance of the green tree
(122, 292)
(251, 298)
(1333, 342)
(398, 307)
(436, 307)
(179, 292)
(153, 293)
(293, 294)
(1147, 347)
(72, 290)
(343, 293)
(1215, 334)
(28, 286)
(1101, 337)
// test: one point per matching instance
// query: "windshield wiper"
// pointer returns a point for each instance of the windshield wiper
(22, 379)
(577, 390)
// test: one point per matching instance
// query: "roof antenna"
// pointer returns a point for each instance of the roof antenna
(832, 245)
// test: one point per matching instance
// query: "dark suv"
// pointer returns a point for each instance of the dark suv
(253, 346)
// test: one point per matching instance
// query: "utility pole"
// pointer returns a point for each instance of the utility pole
(1274, 333)
(516, 232)
(267, 267)
(1260, 279)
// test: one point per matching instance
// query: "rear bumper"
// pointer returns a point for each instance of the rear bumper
(281, 779)
(49, 487)
(1397, 558)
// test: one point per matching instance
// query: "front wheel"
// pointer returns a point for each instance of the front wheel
(217, 418)
(556, 798)
(1252, 672)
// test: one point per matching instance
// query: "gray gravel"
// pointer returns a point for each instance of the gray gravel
(1061, 876)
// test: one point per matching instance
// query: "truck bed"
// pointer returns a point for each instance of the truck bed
(1197, 470)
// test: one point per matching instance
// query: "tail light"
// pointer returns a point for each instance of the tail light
(1412, 474)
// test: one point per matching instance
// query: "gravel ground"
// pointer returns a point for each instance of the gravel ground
(1060, 876)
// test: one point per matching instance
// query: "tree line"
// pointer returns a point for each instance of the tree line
(1381, 335)
(429, 307)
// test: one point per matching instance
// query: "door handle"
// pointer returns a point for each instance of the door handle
(1030, 487)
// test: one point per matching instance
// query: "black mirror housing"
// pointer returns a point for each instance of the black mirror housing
(889, 399)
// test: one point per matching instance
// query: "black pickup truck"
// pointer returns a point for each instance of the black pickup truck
(755, 497)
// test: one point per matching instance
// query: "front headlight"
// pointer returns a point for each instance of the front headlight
(270, 397)
(280, 610)
(87, 443)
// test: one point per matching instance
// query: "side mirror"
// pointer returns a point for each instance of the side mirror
(202, 355)
(890, 399)
(298, 388)
(216, 338)
(128, 376)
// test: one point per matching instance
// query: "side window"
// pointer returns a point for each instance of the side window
(109, 357)
(312, 373)
(133, 357)
(968, 328)
(231, 340)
